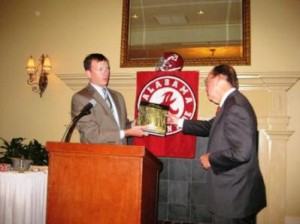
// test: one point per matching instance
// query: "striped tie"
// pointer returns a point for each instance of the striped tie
(106, 97)
(109, 103)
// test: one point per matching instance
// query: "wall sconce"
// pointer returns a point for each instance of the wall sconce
(38, 74)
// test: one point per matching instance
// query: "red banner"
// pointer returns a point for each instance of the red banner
(178, 91)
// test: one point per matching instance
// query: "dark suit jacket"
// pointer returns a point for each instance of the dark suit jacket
(100, 126)
(236, 187)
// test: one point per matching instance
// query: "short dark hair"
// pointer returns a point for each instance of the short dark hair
(95, 56)
(229, 72)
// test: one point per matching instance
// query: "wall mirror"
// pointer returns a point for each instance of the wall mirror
(203, 32)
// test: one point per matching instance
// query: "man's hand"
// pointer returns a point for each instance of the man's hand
(204, 160)
(171, 119)
(136, 131)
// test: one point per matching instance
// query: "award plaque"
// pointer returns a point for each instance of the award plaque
(154, 117)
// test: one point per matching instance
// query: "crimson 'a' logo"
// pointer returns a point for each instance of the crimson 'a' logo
(173, 92)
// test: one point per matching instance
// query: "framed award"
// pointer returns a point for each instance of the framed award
(154, 117)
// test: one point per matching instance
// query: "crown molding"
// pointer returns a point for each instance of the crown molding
(248, 81)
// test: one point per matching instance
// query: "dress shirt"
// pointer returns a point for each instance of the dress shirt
(226, 94)
(116, 116)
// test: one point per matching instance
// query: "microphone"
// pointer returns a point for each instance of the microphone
(84, 111)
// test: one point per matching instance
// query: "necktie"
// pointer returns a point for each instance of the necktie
(109, 103)
(106, 97)
(218, 110)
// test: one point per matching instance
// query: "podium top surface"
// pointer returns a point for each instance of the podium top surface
(100, 149)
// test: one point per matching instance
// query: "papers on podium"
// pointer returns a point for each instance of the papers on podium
(154, 117)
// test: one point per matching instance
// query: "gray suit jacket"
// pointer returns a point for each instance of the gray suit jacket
(236, 187)
(100, 126)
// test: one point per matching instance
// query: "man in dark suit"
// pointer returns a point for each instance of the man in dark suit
(108, 122)
(236, 187)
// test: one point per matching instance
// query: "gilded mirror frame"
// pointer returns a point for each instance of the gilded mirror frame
(244, 59)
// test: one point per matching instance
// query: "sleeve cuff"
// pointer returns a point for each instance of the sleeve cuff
(122, 134)
(180, 122)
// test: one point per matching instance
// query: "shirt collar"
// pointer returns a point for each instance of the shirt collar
(99, 89)
(226, 94)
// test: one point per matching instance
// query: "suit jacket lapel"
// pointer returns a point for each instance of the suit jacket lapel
(95, 95)
(220, 114)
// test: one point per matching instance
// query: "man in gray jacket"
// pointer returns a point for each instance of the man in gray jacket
(108, 122)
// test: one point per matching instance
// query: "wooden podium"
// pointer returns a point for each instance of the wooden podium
(101, 184)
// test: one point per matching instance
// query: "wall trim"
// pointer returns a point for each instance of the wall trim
(292, 220)
(248, 81)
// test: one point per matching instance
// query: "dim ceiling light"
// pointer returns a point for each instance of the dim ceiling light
(200, 12)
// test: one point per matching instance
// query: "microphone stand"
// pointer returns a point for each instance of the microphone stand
(73, 124)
